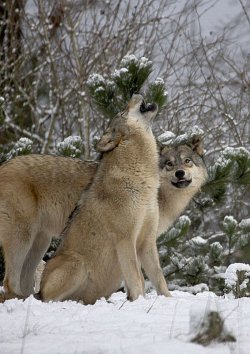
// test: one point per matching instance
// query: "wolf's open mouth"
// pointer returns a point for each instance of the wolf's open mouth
(150, 107)
(182, 183)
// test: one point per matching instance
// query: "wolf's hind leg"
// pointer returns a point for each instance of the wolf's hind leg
(33, 257)
(63, 276)
(16, 245)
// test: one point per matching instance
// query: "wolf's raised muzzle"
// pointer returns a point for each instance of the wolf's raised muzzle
(150, 107)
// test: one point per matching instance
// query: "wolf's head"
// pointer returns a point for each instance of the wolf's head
(182, 166)
(137, 114)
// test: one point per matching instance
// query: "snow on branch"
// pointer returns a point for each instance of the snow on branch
(22, 147)
(72, 146)
(237, 278)
(170, 139)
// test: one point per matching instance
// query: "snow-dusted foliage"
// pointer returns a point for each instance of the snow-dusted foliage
(131, 75)
(96, 80)
(230, 154)
(230, 170)
(102, 91)
(22, 147)
(157, 92)
(131, 60)
(229, 224)
(72, 146)
(245, 225)
(170, 139)
(236, 153)
(237, 278)
(112, 94)
(192, 259)
(178, 230)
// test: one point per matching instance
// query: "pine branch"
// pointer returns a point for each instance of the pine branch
(231, 168)
(112, 95)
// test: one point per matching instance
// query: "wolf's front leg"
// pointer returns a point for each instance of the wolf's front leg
(150, 263)
(130, 267)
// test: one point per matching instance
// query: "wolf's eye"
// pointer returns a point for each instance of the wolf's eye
(188, 162)
(169, 165)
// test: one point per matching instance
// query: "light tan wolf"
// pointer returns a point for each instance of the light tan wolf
(39, 192)
(114, 230)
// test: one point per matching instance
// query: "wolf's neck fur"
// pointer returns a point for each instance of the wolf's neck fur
(172, 202)
(139, 155)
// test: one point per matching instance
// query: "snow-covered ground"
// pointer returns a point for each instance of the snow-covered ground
(149, 325)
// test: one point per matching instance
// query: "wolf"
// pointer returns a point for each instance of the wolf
(182, 174)
(113, 234)
(38, 194)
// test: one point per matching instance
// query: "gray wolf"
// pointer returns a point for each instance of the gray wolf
(39, 192)
(37, 195)
(113, 234)
(182, 174)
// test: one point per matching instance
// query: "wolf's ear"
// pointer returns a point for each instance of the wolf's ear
(108, 141)
(160, 145)
(162, 148)
(112, 138)
(197, 145)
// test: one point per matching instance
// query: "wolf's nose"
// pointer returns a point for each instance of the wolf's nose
(179, 174)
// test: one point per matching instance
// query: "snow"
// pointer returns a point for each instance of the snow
(231, 153)
(198, 240)
(170, 139)
(119, 73)
(245, 224)
(236, 152)
(164, 137)
(184, 220)
(154, 324)
(71, 142)
(229, 220)
(195, 289)
(22, 145)
(95, 79)
(231, 273)
(159, 81)
(129, 59)
(144, 63)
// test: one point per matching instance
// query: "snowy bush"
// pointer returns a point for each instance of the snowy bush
(237, 278)
(230, 169)
(71, 147)
(177, 231)
(22, 147)
(244, 225)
